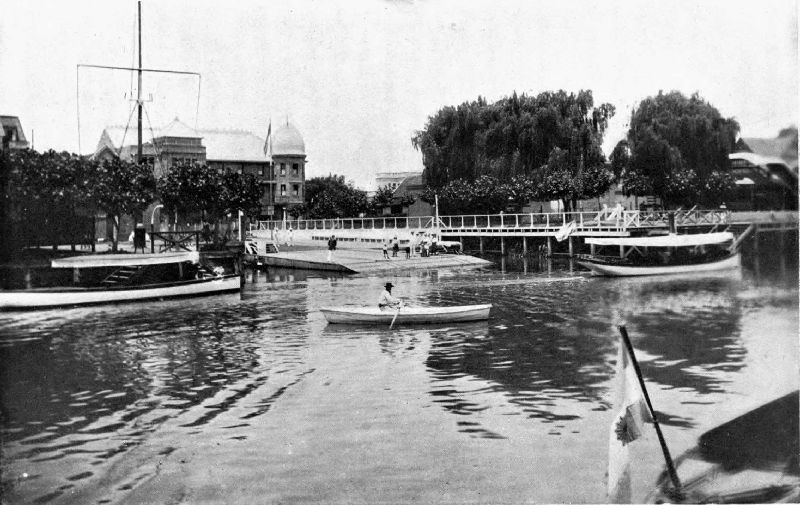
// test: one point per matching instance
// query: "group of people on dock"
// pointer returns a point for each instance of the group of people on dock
(395, 246)
(417, 244)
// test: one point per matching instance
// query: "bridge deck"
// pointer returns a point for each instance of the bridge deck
(606, 223)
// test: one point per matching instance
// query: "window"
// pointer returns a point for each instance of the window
(295, 189)
(295, 169)
(283, 169)
(283, 189)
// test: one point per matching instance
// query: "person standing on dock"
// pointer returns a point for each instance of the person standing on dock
(331, 247)
(291, 237)
(387, 301)
(395, 247)
(386, 249)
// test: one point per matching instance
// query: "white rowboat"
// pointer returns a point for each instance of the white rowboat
(44, 298)
(406, 315)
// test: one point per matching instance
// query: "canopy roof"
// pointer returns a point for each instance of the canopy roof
(121, 260)
(671, 240)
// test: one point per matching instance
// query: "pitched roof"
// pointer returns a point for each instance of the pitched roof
(233, 145)
(221, 145)
(784, 147)
(414, 183)
(177, 128)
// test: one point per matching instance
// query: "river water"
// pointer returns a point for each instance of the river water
(253, 398)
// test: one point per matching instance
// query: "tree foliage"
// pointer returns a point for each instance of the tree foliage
(383, 198)
(331, 197)
(195, 188)
(517, 136)
(679, 150)
(386, 197)
(44, 185)
(485, 195)
(120, 187)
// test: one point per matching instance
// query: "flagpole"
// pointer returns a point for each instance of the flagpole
(673, 474)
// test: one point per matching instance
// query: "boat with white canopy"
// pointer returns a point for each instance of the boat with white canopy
(115, 278)
(663, 254)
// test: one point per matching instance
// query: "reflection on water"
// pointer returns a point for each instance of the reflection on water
(83, 387)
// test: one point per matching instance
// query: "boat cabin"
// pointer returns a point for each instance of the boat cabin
(669, 249)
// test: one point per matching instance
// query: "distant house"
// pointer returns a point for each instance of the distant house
(413, 186)
(393, 179)
(762, 183)
(13, 136)
(784, 146)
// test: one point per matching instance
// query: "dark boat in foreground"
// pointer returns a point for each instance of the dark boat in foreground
(750, 459)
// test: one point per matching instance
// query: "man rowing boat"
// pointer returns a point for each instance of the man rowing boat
(387, 301)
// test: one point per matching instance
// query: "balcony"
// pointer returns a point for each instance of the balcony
(287, 199)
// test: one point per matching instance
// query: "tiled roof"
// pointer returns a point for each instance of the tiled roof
(177, 128)
(412, 184)
(233, 145)
(221, 145)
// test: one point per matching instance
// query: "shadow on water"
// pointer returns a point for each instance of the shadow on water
(125, 370)
(551, 342)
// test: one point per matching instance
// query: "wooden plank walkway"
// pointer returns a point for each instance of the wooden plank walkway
(366, 261)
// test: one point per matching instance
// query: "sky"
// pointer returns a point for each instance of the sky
(358, 78)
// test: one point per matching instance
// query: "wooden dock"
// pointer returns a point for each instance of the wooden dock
(365, 261)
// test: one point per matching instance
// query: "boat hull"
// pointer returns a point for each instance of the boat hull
(406, 315)
(57, 297)
(606, 269)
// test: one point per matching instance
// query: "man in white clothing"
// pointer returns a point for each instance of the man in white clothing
(387, 301)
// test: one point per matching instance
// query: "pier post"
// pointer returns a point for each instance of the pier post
(592, 249)
(524, 246)
(503, 246)
(570, 246)
(621, 251)
(549, 246)
(480, 243)
(240, 269)
(755, 241)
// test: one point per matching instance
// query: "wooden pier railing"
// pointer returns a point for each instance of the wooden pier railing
(603, 222)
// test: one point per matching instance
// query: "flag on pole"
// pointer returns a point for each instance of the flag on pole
(625, 428)
(268, 143)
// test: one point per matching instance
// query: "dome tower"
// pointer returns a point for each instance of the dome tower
(289, 166)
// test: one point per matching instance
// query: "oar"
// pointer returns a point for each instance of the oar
(395, 316)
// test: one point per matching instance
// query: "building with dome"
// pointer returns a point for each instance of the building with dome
(278, 163)
(288, 154)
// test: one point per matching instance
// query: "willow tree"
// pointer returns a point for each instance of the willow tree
(516, 136)
(679, 149)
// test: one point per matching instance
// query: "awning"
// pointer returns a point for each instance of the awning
(670, 240)
(123, 260)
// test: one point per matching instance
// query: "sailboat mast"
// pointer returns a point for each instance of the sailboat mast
(139, 91)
